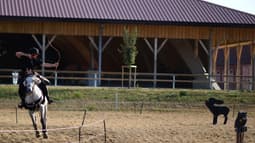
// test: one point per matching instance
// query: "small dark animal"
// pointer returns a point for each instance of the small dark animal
(217, 110)
(241, 119)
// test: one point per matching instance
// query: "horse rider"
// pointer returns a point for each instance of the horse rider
(29, 61)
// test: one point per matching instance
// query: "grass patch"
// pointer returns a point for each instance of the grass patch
(74, 96)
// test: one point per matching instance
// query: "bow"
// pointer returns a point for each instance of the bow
(58, 53)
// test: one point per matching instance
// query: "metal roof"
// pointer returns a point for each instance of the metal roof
(145, 11)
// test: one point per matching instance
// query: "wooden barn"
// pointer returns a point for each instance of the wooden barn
(174, 37)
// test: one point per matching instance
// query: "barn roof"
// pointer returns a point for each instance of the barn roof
(133, 11)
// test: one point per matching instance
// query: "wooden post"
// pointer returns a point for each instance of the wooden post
(82, 123)
(130, 73)
(155, 62)
(226, 67)
(16, 108)
(116, 102)
(122, 76)
(141, 109)
(253, 65)
(210, 63)
(215, 55)
(104, 132)
(100, 52)
(238, 66)
(155, 51)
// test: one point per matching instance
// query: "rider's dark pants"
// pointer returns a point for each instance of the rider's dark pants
(44, 89)
(22, 91)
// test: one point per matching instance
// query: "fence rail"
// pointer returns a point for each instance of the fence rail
(167, 80)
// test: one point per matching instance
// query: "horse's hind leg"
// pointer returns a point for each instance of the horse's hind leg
(33, 118)
(44, 121)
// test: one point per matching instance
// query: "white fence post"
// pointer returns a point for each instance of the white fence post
(55, 78)
(173, 84)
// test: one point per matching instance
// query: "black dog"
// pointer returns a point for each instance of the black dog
(241, 119)
(217, 110)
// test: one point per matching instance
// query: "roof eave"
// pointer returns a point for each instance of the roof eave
(126, 21)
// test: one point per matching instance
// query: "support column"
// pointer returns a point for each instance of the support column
(214, 66)
(226, 67)
(238, 66)
(100, 41)
(155, 51)
(155, 62)
(214, 56)
(100, 48)
(253, 64)
(210, 66)
(43, 47)
(43, 52)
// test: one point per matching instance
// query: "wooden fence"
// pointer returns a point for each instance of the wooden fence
(120, 79)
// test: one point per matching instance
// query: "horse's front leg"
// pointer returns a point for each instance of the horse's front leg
(226, 119)
(33, 118)
(44, 121)
(215, 119)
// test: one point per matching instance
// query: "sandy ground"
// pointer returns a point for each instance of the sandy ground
(182, 126)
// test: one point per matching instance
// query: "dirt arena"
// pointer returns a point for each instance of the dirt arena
(182, 126)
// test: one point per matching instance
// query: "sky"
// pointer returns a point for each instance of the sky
(242, 5)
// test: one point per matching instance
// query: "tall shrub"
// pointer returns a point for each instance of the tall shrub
(128, 47)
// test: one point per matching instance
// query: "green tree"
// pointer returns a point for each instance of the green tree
(128, 47)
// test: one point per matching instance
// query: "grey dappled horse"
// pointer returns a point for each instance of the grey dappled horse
(36, 102)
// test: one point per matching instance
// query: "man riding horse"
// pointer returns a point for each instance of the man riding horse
(29, 61)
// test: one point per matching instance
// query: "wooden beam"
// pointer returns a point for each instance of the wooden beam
(92, 41)
(50, 41)
(107, 43)
(204, 47)
(37, 42)
(232, 45)
(162, 45)
(148, 44)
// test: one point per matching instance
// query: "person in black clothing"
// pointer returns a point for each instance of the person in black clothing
(29, 61)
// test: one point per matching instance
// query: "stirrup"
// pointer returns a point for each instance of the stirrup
(21, 105)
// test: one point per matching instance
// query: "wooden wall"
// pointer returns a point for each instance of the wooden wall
(148, 31)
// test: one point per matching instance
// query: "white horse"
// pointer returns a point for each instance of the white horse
(35, 101)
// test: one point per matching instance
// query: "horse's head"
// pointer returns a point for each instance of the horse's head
(30, 82)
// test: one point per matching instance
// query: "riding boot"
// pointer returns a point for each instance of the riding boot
(45, 92)
(22, 96)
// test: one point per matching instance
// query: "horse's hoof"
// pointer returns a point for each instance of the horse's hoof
(37, 135)
(45, 136)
